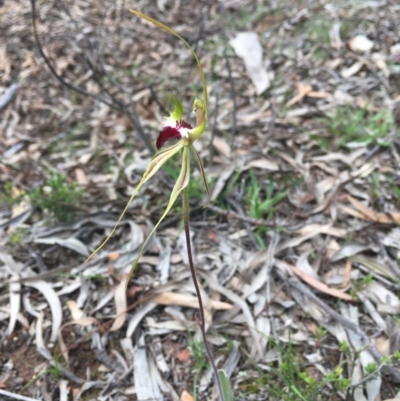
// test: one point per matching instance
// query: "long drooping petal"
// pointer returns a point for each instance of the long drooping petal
(203, 174)
(181, 183)
(170, 30)
(155, 164)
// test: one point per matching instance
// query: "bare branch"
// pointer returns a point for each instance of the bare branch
(114, 103)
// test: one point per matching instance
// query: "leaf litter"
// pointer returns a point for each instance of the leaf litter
(325, 256)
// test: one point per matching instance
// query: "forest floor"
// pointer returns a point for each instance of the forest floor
(298, 252)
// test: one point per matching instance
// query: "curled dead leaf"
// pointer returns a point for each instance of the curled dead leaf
(120, 305)
(185, 396)
(321, 286)
(360, 44)
(183, 355)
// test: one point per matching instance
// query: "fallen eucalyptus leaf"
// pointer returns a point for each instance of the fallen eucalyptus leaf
(247, 46)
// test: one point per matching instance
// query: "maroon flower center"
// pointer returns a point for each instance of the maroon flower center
(168, 133)
(183, 124)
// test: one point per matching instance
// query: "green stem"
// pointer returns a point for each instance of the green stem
(200, 320)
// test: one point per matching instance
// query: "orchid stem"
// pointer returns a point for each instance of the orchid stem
(200, 319)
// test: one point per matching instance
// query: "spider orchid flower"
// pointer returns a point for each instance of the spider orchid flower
(174, 128)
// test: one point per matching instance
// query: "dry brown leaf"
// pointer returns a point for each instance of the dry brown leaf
(185, 396)
(351, 212)
(320, 95)
(113, 256)
(366, 211)
(173, 298)
(395, 216)
(222, 146)
(247, 46)
(63, 346)
(85, 321)
(5, 63)
(303, 90)
(321, 286)
(383, 345)
(334, 63)
(183, 355)
(81, 177)
(369, 214)
(76, 312)
(120, 305)
(21, 207)
(263, 164)
(347, 274)
(352, 70)
(360, 44)
(380, 61)
(322, 229)
(290, 160)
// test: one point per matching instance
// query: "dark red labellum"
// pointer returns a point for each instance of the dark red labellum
(171, 133)
(183, 124)
(166, 134)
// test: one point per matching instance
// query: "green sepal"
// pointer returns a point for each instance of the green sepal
(181, 183)
(177, 113)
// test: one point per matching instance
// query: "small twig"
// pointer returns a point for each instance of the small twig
(155, 98)
(366, 379)
(213, 130)
(16, 396)
(103, 357)
(113, 103)
(59, 78)
(382, 80)
(246, 219)
(200, 319)
(271, 125)
(247, 226)
(233, 97)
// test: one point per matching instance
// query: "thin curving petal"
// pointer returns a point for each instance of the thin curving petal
(181, 183)
(155, 164)
(203, 174)
(170, 30)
